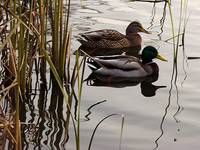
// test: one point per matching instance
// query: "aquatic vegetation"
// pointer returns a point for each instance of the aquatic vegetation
(32, 35)
(181, 29)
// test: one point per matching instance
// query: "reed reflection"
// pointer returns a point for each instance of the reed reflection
(162, 20)
(174, 78)
(180, 108)
(87, 118)
(44, 127)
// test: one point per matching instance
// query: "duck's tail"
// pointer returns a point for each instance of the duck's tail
(93, 64)
(82, 41)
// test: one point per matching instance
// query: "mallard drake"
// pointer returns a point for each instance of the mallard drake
(124, 66)
(109, 39)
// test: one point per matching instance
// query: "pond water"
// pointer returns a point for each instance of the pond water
(166, 119)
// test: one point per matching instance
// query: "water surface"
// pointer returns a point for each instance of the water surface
(170, 118)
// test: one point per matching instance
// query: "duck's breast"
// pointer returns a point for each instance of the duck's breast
(134, 39)
(151, 68)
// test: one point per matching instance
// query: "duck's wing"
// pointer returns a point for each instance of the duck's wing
(119, 62)
(122, 56)
(107, 34)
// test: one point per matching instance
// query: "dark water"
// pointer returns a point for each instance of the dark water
(166, 118)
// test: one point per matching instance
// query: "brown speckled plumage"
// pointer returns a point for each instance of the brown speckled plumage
(111, 39)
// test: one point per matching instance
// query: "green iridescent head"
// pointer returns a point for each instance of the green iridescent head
(150, 53)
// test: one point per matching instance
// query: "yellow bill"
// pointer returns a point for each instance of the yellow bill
(145, 31)
(161, 57)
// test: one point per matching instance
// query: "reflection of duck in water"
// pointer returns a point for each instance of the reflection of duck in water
(123, 66)
(147, 88)
(112, 42)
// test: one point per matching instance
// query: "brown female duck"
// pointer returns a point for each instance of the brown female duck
(108, 40)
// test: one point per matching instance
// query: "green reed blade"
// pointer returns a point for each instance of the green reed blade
(56, 75)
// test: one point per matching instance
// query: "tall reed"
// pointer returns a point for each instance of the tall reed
(24, 39)
(181, 26)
